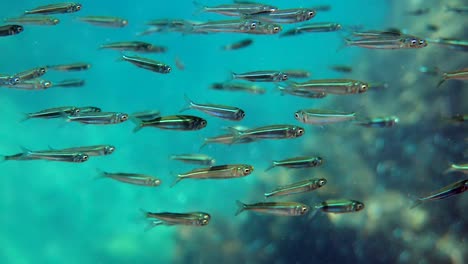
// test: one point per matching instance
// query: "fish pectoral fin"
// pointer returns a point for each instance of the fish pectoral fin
(416, 202)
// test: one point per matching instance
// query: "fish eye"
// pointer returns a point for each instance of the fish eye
(47, 84)
(204, 222)
(300, 132)
(124, 117)
(363, 88)
(42, 70)
(55, 21)
(242, 114)
(78, 7)
(322, 182)
(296, 115)
(168, 69)
(253, 25)
(246, 171)
(77, 110)
(422, 42)
(359, 206)
(285, 77)
(85, 157)
(276, 29)
(303, 210)
(413, 42)
(124, 22)
(311, 14)
(16, 80)
(19, 29)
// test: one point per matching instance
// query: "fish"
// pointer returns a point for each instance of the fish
(332, 86)
(48, 155)
(167, 25)
(443, 193)
(418, 12)
(312, 28)
(59, 8)
(261, 76)
(274, 208)
(238, 45)
(342, 68)
(298, 162)
(9, 80)
(88, 109)
(387, 40)
(301, 92)
(297, 187)
(284, 16)
(239, 9)
(339, 206)
(268, 132)
(105, 21)
(79, 66)
(148, 64)
(459, 118)
(136, 46)
(434, 71)
(99, 118)
(179, 64)
(96, 150)
(385, 121)
(10, 30)
(223, 26)
(454, 75)
(323, 116)
(457, 168)
(31, 74)
(457, 9)
(146, 115)
(217, 172)
(174, 122)
(55, 112)
(186, 219)
(227, 139)
(34, 20)
(35, 84)
(240, 87)
(198, 159)
(131, 178)
(221, 111)
(70, 83)
(297, 73)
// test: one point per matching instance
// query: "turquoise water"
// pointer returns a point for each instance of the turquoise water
(56, 212)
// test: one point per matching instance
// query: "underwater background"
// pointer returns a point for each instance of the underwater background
(56, 212)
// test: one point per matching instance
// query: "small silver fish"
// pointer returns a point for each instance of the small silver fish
(445, 192)
(269, 132)
(297, 187)
(146, 115)
(48, 155)
(70, 83)
(224, 26)
(312, 28)
(238, 45)
(186, 219)
(323, 116)
(387, 40)
(332, 86)
(79, 66)
(241, 87)
(9, 30)
(175, 122)
(455, 75)
(217, 172)
(221, 111)
(131, 178)
(274, 208)
(87, 109)
(31, 74)
(105, 21)
(297, 73)
(99, 118)
(59, 8)
(227, 139)
(55, 112)
(386, 121)
(198, 159)
(148, 64)
(34, 84)
(34, 20)
(96, 150)
(288, 89)
(297, 162)
(9, 80)
(339, 206)
(239, 9)
(285, 16)
(261, 76)
(458, 168)
(136, 46)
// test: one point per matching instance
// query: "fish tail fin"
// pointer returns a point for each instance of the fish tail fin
(270, 167)
(25, 117)
(177, 180)
(203, 145)
(268, 195)
(3, 158)
(100, 174)
(313, 213)
(240, 207)
(189, 104)
(138, 124)
(346, 42)
(416, 201)
(199, 8)
(449, 170)
(444, 78)
(232, 75)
